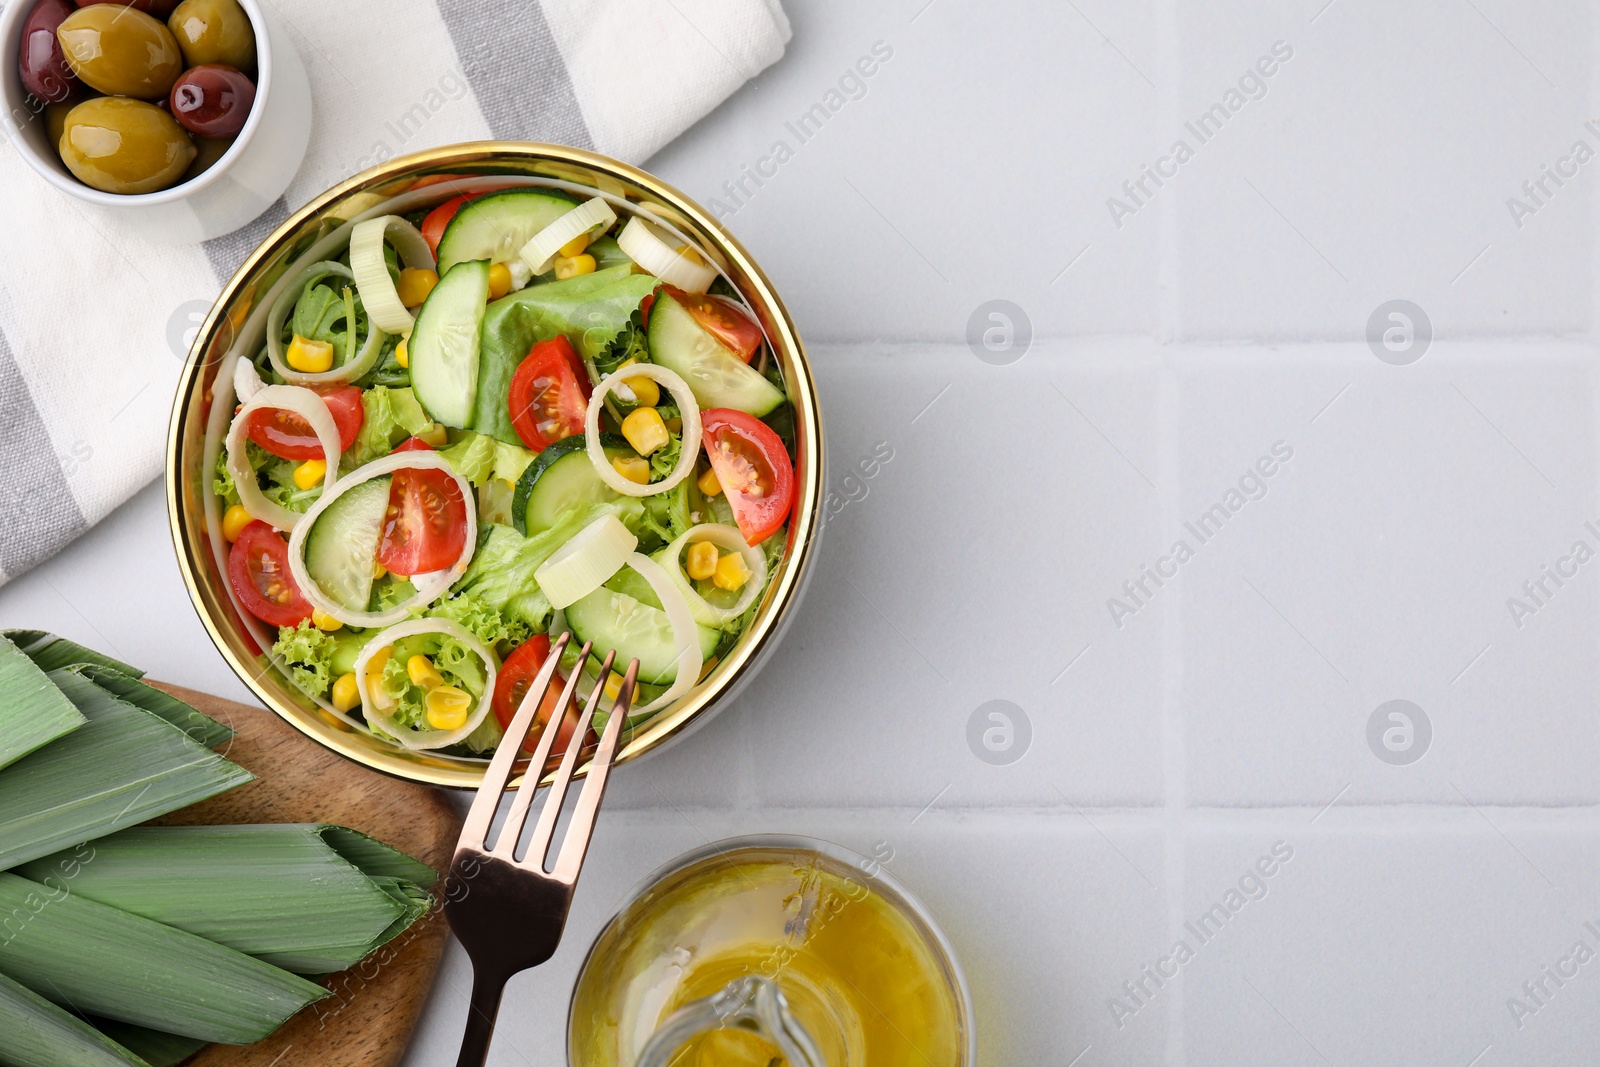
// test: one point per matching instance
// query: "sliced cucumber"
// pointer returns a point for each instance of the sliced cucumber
(443, 349)
(715, 375)
(617, 621)
(342, 544)
(561, 476)
(495, 227)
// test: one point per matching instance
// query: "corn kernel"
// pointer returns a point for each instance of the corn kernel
(375, 666)
(323, 621)
(691, 255)
(234, 520)
(708, 484)
(346, 694)
(499, 281)
(634, 468)
(309, 474)
(447, 707)
(732, 572)
(572, 266)
(421, 671)
(435, 435)
(675, 424)
(645, 431)
(415, 284)
(646, 393)
(378, 570)
(309, 357)
(402, 354)
(575, 246)
(613, 685)
(703, 557)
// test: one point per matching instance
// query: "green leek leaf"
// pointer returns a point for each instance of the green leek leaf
(200, 728)
(36, 1033)
(33, 712)
(51, 652)
(123, 767)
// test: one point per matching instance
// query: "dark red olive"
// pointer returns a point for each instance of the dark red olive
(212, 100)
(159, 8)
(43, 65)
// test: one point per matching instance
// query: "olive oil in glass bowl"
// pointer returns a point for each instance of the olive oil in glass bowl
(771, 950)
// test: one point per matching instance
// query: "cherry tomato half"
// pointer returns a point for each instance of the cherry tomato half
(288, 436)
(753, 468)
(434, 222)
(516, 675)
(414, 444)
(549, 394)
(425, 528)
(258, 567)
(723, 319)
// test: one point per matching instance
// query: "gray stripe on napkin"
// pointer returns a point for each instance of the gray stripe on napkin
(38, 514)
(516, 71)
(229, 250)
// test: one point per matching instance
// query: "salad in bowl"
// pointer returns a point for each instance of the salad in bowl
(483, 412)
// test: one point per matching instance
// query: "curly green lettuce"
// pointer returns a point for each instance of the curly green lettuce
(308, 653)
(222, 482)
(480, 458)
(457, 664)
(484, 621)
(389, 416)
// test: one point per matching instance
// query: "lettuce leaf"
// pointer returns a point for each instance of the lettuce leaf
(590, 310)
(480, 619)
(479, 458)
(308, 652)
(275, 475)
(222, 481)
(389, 416)
(501, 573)
(457, 664)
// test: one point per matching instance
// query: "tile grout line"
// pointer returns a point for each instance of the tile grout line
(1175, 753)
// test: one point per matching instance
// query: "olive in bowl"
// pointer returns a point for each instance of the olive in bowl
(120, 51)
(121, 145)
(189, 72)
(212, 100)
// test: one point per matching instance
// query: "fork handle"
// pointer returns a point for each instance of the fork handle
(486, 994)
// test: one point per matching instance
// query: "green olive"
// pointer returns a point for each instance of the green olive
(214, 31)
(208, 150)
(118, 145)
(55, 118)
(120, 50)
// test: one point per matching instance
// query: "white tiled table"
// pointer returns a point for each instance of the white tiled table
(1229, 712)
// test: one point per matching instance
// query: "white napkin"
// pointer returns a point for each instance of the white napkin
(94, 322)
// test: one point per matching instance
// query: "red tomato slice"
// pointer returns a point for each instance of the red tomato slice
(288, 436)
(425, 528)
(434, 222)
(644, 310)
(516, 675)
(753, 468)
(723, 319)
(414, 444)
(549, 394)
(258, 567)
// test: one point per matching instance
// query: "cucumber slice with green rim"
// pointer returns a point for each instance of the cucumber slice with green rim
(495, 227)
(561, 476)
(715, 375)
(615, 620)
(443, 349)
(341, 546)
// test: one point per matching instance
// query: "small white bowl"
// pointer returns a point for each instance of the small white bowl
(254, 172)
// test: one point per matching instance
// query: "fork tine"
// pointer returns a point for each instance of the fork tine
(546, 827)
(581, 828)
(506, 844)
(475, 829)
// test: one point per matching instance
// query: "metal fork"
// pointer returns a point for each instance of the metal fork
(508, 913)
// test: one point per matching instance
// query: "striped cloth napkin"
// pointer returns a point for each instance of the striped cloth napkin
(94, 323)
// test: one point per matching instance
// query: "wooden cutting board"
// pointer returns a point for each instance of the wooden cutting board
(374, 1007)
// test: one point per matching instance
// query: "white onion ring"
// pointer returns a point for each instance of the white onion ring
(588, 217)
(729, 539)
(427, 737)
(433, 584)
(348, 371)
(684, 631)
(640, 242)
(688, 407)
(371, 271)
(309, 406)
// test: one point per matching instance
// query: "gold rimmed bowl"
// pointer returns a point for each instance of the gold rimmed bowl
(235, 326)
